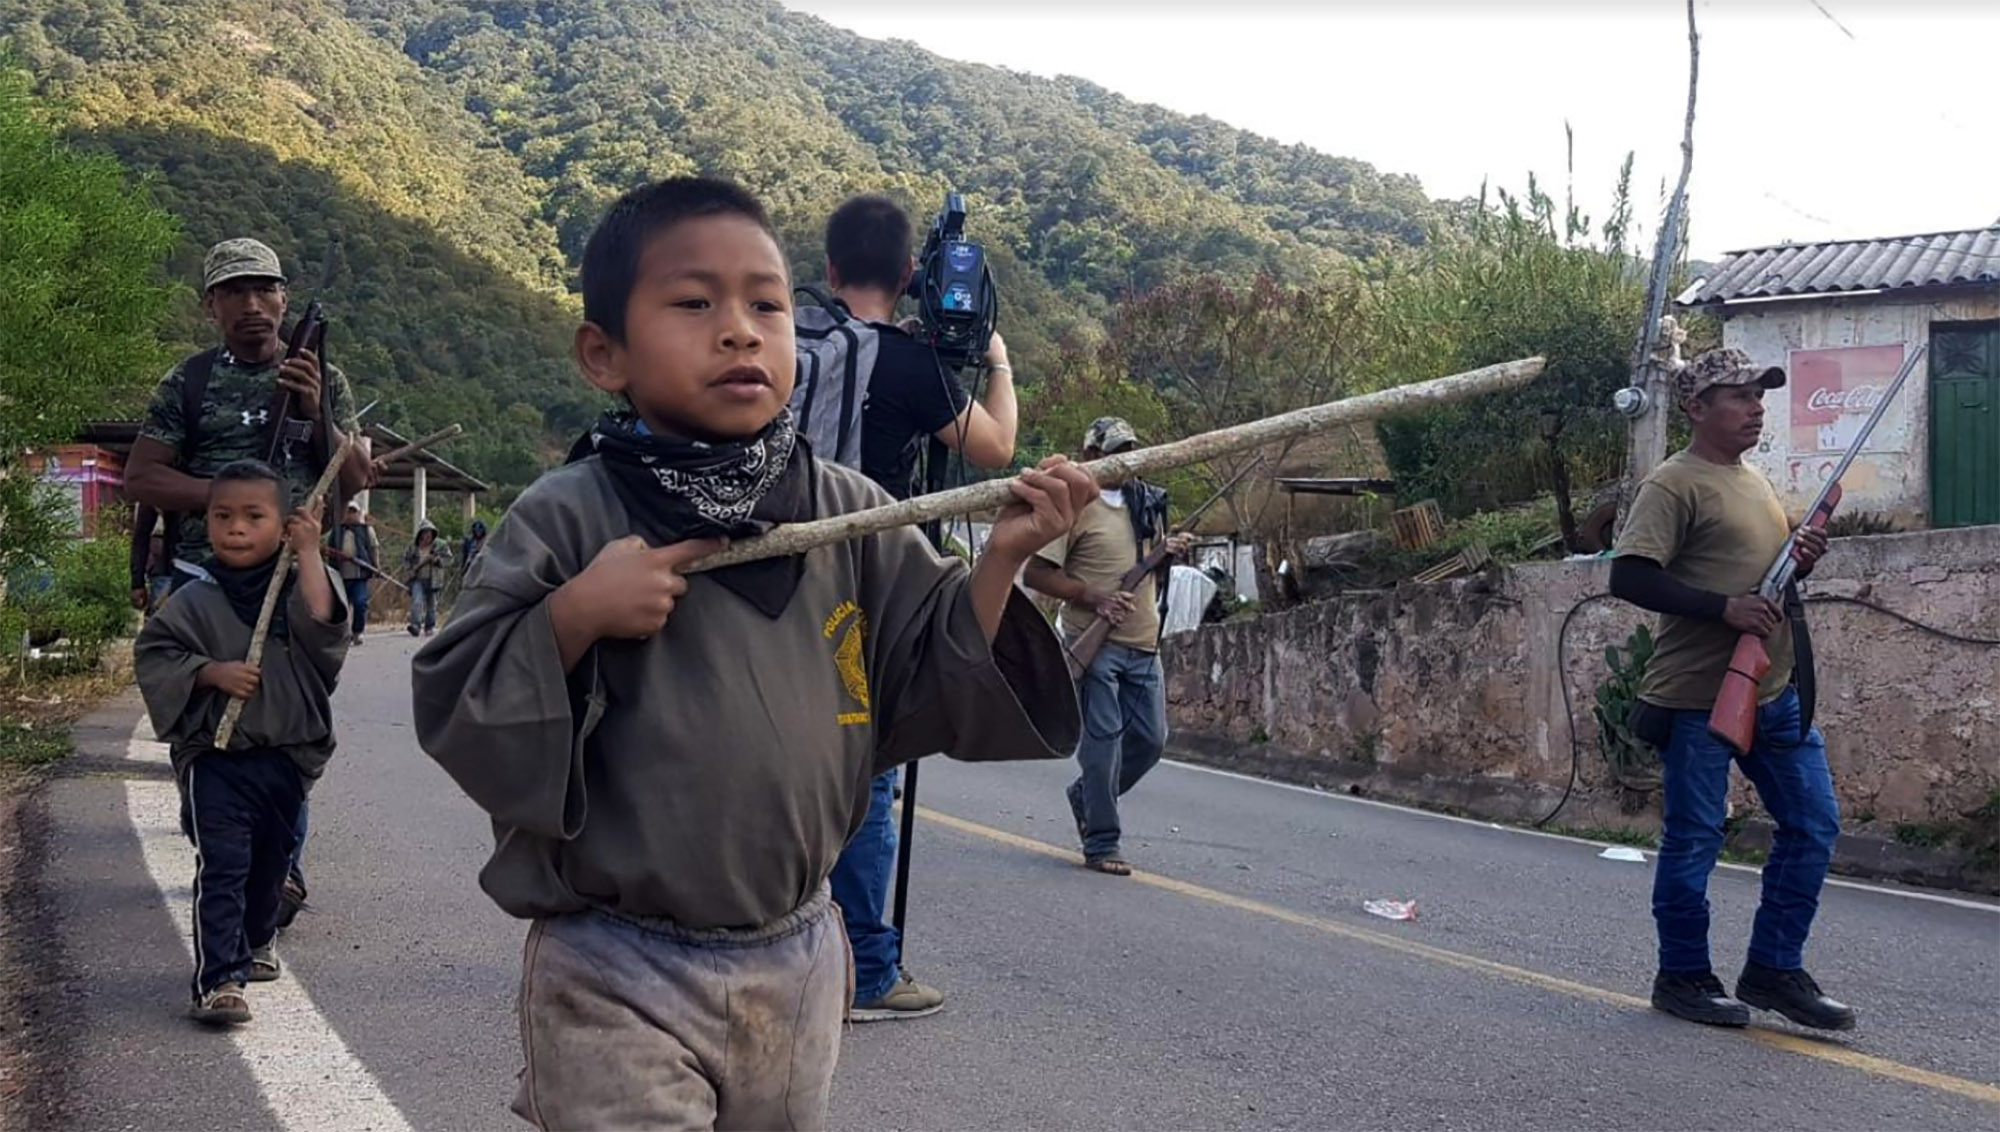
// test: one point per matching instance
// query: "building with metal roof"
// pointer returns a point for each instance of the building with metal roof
(1841, 317)
(1930, 260)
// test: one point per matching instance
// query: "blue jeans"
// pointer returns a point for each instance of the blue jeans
(860, 883)
(357, 600)
(1123, 700)
(423, 605)
(1790, 773)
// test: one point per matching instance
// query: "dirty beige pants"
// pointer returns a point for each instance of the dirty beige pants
(634, 1023)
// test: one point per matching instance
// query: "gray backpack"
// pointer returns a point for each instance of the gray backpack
(836, 357)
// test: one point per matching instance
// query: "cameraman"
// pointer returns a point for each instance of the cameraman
(912, 397)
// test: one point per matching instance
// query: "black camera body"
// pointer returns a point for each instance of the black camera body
(953, 287)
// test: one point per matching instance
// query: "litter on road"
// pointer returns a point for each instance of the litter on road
(1392, 909)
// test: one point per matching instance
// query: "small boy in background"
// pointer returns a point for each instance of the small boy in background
(674, 760)
(240, 806)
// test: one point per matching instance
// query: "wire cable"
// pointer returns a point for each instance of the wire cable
(1569, 708)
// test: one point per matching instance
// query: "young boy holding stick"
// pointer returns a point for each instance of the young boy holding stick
(240, 796)
(673, 759)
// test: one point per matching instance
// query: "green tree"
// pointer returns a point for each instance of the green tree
(1532, 278)
(1205, 353)
(82, 301)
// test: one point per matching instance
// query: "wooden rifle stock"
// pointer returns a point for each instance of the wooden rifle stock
(1734, 717)
(1084, 650)
(1092, 639)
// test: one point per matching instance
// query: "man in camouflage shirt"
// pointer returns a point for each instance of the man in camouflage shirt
(243, 293)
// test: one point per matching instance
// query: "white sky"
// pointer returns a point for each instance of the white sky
(1801, 131)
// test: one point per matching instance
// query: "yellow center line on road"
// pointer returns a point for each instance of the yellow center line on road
(1794, 1043)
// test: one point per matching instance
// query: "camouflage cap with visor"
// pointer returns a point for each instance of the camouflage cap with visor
(1110, 434)
(239, 259)
(1723, 366)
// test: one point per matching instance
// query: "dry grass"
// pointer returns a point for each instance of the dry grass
(35, 716)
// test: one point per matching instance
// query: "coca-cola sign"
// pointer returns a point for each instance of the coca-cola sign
(1859, 400)
(1832, 393)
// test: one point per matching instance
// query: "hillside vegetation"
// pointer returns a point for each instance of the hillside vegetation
(462, 149)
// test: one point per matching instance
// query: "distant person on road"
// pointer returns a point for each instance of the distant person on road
(1702, 530)
(475, 541)
(240, 806)
(359, 549)
(912, 398)
(422, 563)
(1122, 694)
(674, 760)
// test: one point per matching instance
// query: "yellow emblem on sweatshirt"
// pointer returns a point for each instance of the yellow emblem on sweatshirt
(850, 658)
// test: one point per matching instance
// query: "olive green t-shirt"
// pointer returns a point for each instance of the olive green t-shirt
(1097, 552)
(1716, 527)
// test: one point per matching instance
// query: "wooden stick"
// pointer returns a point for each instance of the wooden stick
(801, 537)
(258, 635)
(438, 437)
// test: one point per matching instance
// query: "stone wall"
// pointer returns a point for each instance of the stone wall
(1449, 694)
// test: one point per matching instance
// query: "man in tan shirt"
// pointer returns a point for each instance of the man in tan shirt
(1122, 695)
(1702, 530)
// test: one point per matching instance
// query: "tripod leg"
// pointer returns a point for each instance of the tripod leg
(909, 829)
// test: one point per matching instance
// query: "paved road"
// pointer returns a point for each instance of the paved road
(1236, 984)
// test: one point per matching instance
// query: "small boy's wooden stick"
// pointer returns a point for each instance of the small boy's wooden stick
(234, 711)
(800, 537)
(438, 437)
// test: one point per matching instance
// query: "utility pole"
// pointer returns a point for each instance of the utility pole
(1648, 402)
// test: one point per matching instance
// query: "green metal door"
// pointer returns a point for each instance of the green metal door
(1965, 423)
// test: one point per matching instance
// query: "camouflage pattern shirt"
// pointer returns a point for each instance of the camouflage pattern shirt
(235, 411)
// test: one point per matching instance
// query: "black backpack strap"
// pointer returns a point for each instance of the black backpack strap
(1804, 676)
(194, 391)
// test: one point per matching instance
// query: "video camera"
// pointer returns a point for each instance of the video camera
(953, 287)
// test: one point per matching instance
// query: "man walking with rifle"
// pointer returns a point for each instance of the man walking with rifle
(1704, 528)
(243, 400)
(1120, 689)
(250, 398)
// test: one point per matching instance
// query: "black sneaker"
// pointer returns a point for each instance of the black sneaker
(1794, 995)
(1698, 996)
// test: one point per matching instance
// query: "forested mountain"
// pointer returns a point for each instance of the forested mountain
(462, 149)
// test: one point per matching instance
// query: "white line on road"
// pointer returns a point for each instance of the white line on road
(310, 1080)
(1832, 882)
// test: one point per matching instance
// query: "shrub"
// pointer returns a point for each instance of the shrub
(80, 599)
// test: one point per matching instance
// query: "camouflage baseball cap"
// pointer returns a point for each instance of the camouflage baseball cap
(1110, 434)
(1723, 366)
(235, 259)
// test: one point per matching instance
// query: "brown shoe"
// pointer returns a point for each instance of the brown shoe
(908, 998)
(1110, 863)
(226, 1005)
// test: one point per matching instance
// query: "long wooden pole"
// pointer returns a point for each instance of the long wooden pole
(262, 632)
(801, 537)
(438, 437)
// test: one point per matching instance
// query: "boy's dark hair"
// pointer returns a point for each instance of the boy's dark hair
(611, 257)
(868, 243)
(249, 471)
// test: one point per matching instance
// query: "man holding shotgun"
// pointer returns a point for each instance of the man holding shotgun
(1702, 530)
(1121, 691)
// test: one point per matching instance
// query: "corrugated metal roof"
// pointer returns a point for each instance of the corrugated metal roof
(1936, 259)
